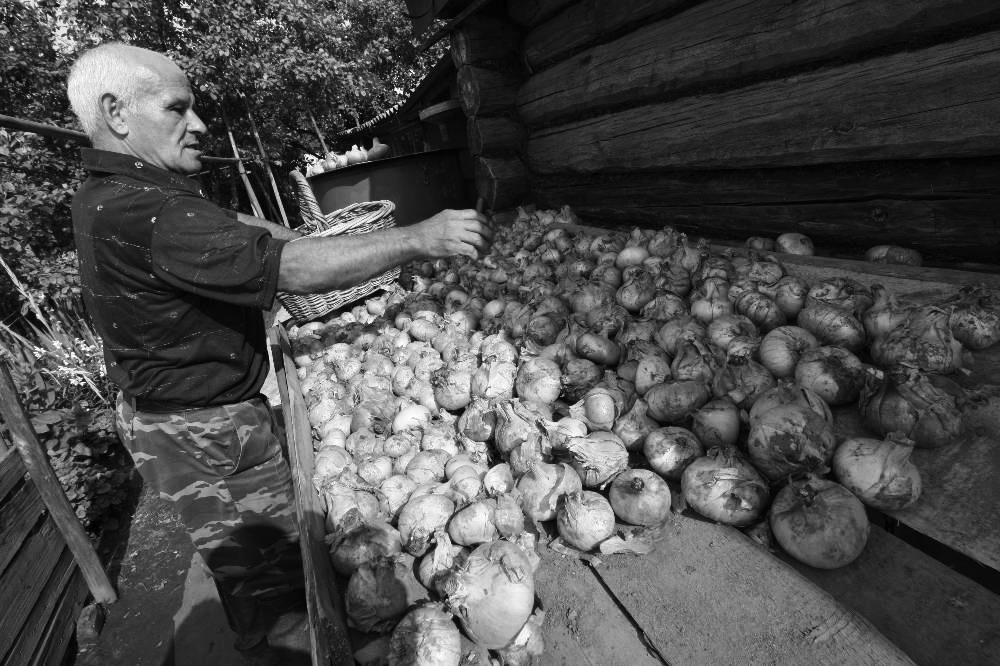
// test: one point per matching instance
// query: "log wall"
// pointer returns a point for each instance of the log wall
(855, 123)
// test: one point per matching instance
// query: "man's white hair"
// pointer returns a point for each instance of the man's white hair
(113, 68)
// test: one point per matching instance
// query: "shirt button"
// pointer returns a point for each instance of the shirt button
(100, 206)
(190, 214)
(153, 219)
(138, 165)
(233, 356)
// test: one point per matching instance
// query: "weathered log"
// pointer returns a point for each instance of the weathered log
(533, 12)
(501, 182)
(583, 24)
(495, 136)
(941, 229)
(938, 102)
(723, 44)
(485, 39)
(486, 92)
(977, 178)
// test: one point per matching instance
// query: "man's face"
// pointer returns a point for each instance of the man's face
(163, 128)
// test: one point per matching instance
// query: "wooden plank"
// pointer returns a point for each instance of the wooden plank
(487, 92)
(708, 595)
(24, 580)
(932, 613)
(485, 40)
(18, 517)
(942, 229)
(64, 577)
(583, 625)
(495, 136)
(934, 103)
(328, 633)
(44, 477)
(11, 471)
(722, 44)
(62, 625)
(533, 12)
(501, 182)
(586, 23)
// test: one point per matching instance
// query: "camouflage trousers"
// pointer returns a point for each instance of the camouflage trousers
(224, 471)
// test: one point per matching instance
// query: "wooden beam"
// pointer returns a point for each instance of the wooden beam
(709, 595)
(584, 24)
(495, 136)
(44, 477)
(487, 92)
(330, 641)
(441, 33)
(501, 182)
(937, 102)
(251, 195)
(723, 44)
(319, 135)
(267, 166)
(533, 12)
(483, 40)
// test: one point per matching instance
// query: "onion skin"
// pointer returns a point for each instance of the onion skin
(542, 486)
(669, 450)
(894, 254)
(640, 497)
(539, 380)
(672, 402)
(922, 407)
(597, 458)
(879, 472)
(793, 243)
(717, 423)
(820, 523)
(726, 488)
(835, 374)
(782, 347)
(788, 440)
(975, 318)
(833, 326)
(924, 341)
(585, 519)
(789, 393)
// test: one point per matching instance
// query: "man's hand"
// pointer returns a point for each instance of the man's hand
(452, 232)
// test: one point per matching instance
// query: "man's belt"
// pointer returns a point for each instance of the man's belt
(166, 406)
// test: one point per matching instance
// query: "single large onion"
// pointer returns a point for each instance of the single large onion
(633, 427)
(878, 471)
(833, 326)
(420, 518)
(781, 349)
(362, 545)
(673, 401)
(597, 457)
(426, 636)
(743, 380)
(669, 450)
(717, 423)
(794, 243)
(599, 408)
(726, 488)
(921, 406)
(538, 380)
(474, 524)
(585, 519)
(494, 380)
(542, 486)
(640, 497)
(332, 460)
(975, 318)
(379, 593)
(790, 393)
(924, 341)
(579, 376)
(834, 374)
(790, 439)
(819, 522)
(492, 593)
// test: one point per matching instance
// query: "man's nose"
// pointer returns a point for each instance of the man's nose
(195, 125)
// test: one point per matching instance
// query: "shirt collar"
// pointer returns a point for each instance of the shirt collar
(108, 162)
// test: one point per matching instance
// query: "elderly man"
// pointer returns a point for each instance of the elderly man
(175, 286)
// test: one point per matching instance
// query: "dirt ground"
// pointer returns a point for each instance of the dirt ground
(168, 611)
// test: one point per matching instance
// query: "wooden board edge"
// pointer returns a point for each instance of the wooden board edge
(28, 508)
(63, 625)
(12, 471)
(329, 638)
(29, 640)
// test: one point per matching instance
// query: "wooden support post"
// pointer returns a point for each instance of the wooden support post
(44, 477)
(533, 12)
(501, 182)
(495, 136)
(322, 141)
(487, 92)
(485, 40)
(267, 168)
(254, 204)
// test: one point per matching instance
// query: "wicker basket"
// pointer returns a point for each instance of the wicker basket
(359, 218)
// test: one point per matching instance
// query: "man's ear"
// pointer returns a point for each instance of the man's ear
(112, 111)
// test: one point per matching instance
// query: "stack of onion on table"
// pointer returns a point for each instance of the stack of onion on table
(574, 388)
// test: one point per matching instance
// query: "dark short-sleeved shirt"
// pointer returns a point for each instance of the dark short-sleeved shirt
(174, 283)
